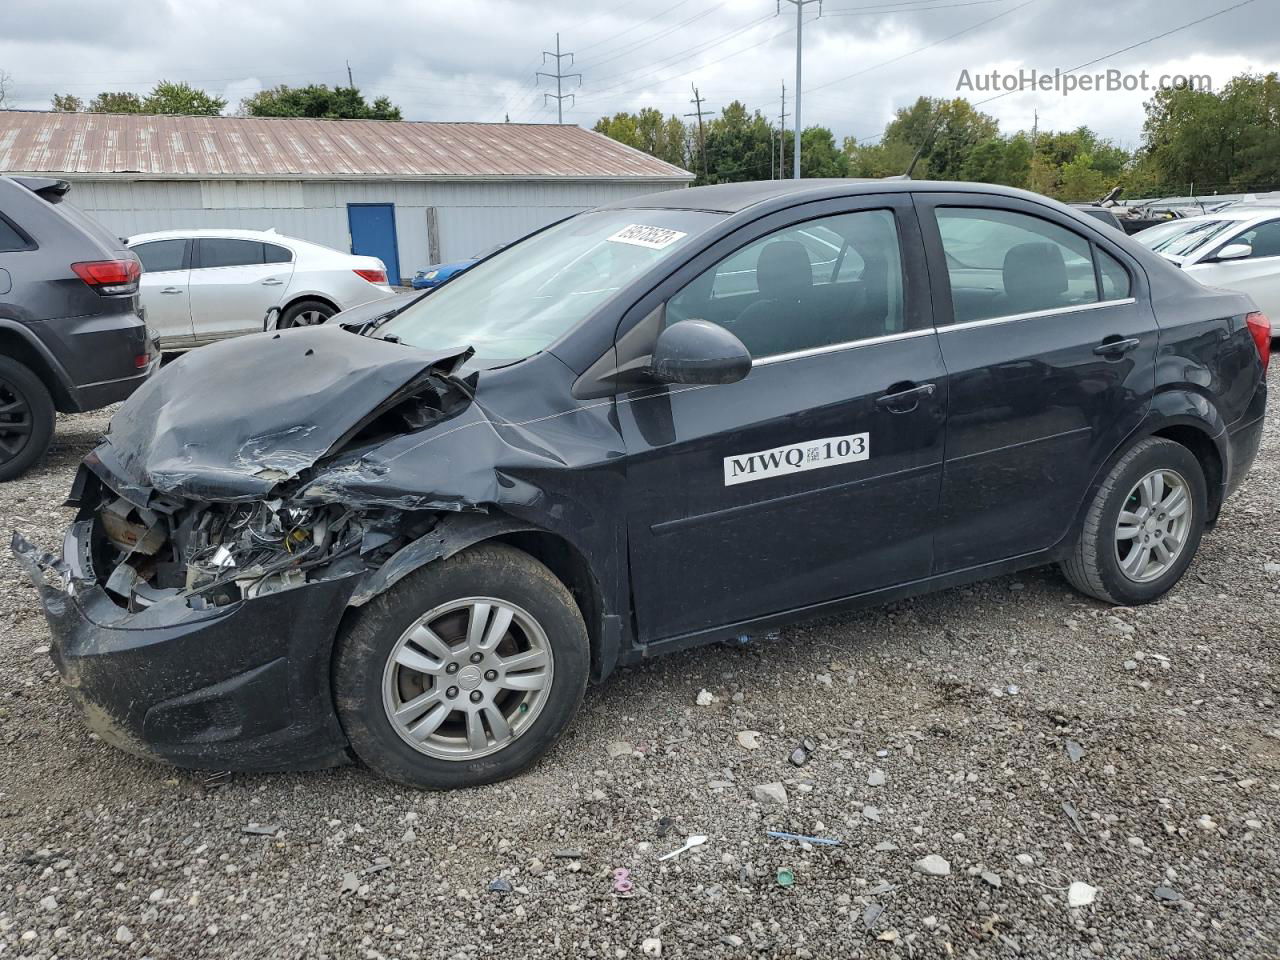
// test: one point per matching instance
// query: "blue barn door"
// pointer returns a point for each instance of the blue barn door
(373, 234)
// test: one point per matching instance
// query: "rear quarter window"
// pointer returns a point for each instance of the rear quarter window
(11, 238)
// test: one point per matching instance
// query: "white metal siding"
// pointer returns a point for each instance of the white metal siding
(472, 215)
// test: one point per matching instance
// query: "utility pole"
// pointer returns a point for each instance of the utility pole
(799, 5)
(350, 83)
(697, 101)
(1035, 129)
(782, 131)
(559, 97)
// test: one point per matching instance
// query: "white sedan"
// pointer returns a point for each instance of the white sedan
(199, 286)
(1237, 248)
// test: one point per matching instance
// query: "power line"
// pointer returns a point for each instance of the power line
(558, 76)
(634, 26)
(631, 48)
(927, 46)
(875, 11)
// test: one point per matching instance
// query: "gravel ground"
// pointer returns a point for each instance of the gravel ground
(962, 726)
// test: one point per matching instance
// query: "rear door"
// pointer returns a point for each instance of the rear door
(817, 476)
(165, 290)
(1049, 342)
(234, 282)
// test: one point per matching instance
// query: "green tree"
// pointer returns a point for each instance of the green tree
(739, 146)
(116, 103)
(999, 160)
(318, 100)
(667, 139)
(67, 103)
(182, 98)
(819, 156)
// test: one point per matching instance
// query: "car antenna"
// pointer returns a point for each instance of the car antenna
(926, 145)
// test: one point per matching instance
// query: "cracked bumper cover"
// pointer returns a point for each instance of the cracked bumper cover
(241, 687)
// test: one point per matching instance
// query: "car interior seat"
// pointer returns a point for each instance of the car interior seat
(1035, 277)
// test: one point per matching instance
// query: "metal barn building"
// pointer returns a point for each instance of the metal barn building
(410, 193)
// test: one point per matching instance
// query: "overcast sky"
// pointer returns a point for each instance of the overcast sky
(476, 59)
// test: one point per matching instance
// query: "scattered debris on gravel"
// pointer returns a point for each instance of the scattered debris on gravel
(1011, 769)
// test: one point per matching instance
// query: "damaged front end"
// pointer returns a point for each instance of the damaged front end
(194, 606)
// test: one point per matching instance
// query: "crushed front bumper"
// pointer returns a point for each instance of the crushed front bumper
(240, 687)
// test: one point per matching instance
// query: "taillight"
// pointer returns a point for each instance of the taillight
(1260, 330)
(110, 278)
(373, 276)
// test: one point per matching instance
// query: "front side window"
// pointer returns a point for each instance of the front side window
(157, 256)
(225, 252)
(1264, 239)
(1002, 263)
(528, 295)
(824, 282)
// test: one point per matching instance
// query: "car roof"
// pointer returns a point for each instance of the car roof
(1242, 213)
(735, 197)
(269, 236)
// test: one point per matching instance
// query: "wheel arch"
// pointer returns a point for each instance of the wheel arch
(1187, 419)
(18, 344)
(456, 532)
(298, 298)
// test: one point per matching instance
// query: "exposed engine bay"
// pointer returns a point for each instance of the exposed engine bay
(216, 554)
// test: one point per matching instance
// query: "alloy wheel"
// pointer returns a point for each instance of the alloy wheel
(310, 318)
(16, 422)
(1152, 528)
(468, 678)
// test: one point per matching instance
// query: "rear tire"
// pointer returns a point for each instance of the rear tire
(305, 313)
(434, 694)
(1143, 527)
(26, 418)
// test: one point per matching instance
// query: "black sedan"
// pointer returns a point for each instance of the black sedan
(415, 538)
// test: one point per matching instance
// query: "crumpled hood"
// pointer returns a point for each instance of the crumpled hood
(232, 420)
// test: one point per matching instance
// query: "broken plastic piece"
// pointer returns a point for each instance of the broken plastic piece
(696, 840)
(786, 877)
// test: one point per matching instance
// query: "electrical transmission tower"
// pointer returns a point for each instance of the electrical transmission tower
(559, 97)
(698, 100)
(800, 5)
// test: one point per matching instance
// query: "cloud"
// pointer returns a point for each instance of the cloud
(478, 60)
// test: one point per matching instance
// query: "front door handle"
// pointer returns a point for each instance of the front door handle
(905, 397)
(171, 290)
(272, 282)
(1116, 347)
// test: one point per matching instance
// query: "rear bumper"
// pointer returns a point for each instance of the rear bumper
(1243, 438)
(95, 358)
(242, 687)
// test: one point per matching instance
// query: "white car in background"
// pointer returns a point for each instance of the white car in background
(1237, 248)
(199, 286)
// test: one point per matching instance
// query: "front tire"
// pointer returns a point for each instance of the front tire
(464, 673)
(26, 418)
(1143, 527)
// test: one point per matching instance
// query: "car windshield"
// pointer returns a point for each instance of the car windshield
(1185, 238)
(527, 296)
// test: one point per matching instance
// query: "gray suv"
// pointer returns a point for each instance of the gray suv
(71, 337)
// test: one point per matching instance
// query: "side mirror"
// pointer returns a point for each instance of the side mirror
(1235, 251)
(697, 351)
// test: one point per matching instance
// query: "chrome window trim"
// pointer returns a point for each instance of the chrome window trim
(1015, 317)
(836, 347)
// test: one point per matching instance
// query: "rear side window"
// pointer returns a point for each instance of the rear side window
(1003, 263)
(225, 252)
(1116, 284)
(1264, 239)
(161, 255)
(274, 253)
(12, 239)
(829, 281)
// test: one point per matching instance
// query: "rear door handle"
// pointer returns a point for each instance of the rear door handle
(171, 290)
(272, 282)
(1116, 347)
(906, 400)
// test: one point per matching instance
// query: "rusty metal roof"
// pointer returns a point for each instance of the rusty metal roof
(138, 146)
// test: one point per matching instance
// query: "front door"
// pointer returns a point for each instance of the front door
(165, 290)
(817, 476)
(1255, 274)
(234, 282)
(373, 234)
(1049, 341)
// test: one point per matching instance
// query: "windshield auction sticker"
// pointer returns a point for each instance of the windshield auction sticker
(655, 238)
(796, 458)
